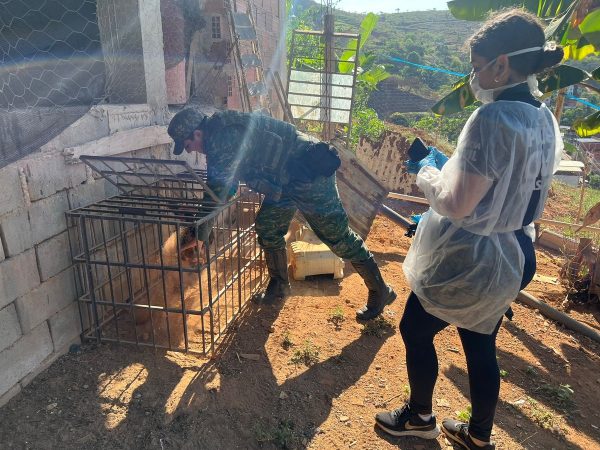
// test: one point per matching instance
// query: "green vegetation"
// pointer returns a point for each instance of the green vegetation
(540, 415)
(307, 355)
(561, 395)
(336, 317)
(590, 198)
(380, 326)
(282, 436)
(287, 341)
(465, 414)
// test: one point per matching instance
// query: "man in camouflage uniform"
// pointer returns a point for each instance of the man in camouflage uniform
(293, 171)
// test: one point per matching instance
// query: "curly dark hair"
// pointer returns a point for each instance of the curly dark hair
(515, 29)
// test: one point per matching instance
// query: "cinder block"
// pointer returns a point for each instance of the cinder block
(54, 255)
(8, 395)
(48, 174)
(16, 232)
(10, 330)
(65, 326)
(18, 275)
(27, 379)
(24, 356)
(47, 217)
(87, 193)
(11, 194)
(49, 298)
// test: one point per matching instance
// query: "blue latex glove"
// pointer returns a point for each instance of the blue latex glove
(435, 158)
(416, 218)
(439, 157)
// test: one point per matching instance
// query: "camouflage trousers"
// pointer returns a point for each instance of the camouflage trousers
(319, 203)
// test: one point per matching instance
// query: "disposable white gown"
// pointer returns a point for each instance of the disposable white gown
(465, 263)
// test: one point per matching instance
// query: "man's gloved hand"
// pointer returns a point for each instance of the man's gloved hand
(412, 228)
(435, 158)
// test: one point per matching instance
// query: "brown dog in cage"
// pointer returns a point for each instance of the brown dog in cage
(166, 327)
(170, 327)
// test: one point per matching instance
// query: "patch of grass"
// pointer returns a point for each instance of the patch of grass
(282, 436)
(531, 372)
(465, 414)
(503, 373)
(287, 341)
(307, 355)
(540, 415)
(336, 317)
(561, 395)
(380, 326)
(406, 391)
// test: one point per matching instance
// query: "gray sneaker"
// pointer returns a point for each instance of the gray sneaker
(403, 422)
(459, 432)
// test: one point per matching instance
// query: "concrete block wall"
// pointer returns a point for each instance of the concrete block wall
(39, 318)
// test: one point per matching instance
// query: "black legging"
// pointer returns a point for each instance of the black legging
(418, 328)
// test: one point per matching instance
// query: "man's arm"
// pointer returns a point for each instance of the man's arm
(224, 153)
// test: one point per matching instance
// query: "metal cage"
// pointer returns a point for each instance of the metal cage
(137, 284)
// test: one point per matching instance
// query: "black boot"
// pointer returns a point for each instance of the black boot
(279, 283)
(380, 294)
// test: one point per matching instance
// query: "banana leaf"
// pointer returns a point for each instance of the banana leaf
(457, 100)
(479, 9)
(560, 77)
(366, 28)
(590, 28)
(559, 25)
(461, 96)
(580, 36)
(588, 126)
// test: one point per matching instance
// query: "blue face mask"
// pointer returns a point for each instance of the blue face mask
(488, 95)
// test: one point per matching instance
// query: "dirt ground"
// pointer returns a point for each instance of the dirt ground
(305, 374)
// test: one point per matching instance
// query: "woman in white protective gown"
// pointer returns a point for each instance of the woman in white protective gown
(473, 250)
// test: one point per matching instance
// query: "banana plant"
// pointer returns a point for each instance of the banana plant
(575, 24)
(369, 73)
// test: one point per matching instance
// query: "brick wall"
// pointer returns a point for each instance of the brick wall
(39, 318)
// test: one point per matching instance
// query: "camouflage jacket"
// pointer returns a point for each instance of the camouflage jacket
(249, 147)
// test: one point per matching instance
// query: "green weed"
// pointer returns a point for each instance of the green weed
(307, 355)
(379, 327)
(465, 414)
(337, 317)
(287, 341)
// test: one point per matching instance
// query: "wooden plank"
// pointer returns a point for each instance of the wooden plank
(361, 193)
(119, 142)
(556, 223)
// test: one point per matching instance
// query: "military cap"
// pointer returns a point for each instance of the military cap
(183, 125)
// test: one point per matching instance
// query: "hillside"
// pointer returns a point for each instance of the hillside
(426, 37)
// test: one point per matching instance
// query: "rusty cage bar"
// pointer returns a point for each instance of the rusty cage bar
(135, 284)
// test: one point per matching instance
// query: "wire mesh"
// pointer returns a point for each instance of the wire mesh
(137, 286)
(52, 70)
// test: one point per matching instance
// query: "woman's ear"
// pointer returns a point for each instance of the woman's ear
(198, 135)
(501, 70)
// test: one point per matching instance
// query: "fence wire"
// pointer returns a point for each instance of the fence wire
(52, 70)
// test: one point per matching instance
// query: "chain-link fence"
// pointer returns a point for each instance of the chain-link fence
(52, 70)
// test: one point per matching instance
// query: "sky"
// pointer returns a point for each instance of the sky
(390, 6)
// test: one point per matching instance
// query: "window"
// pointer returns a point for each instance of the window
(228, 51)
(216, 27)
(229, 86)
(225, 101)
